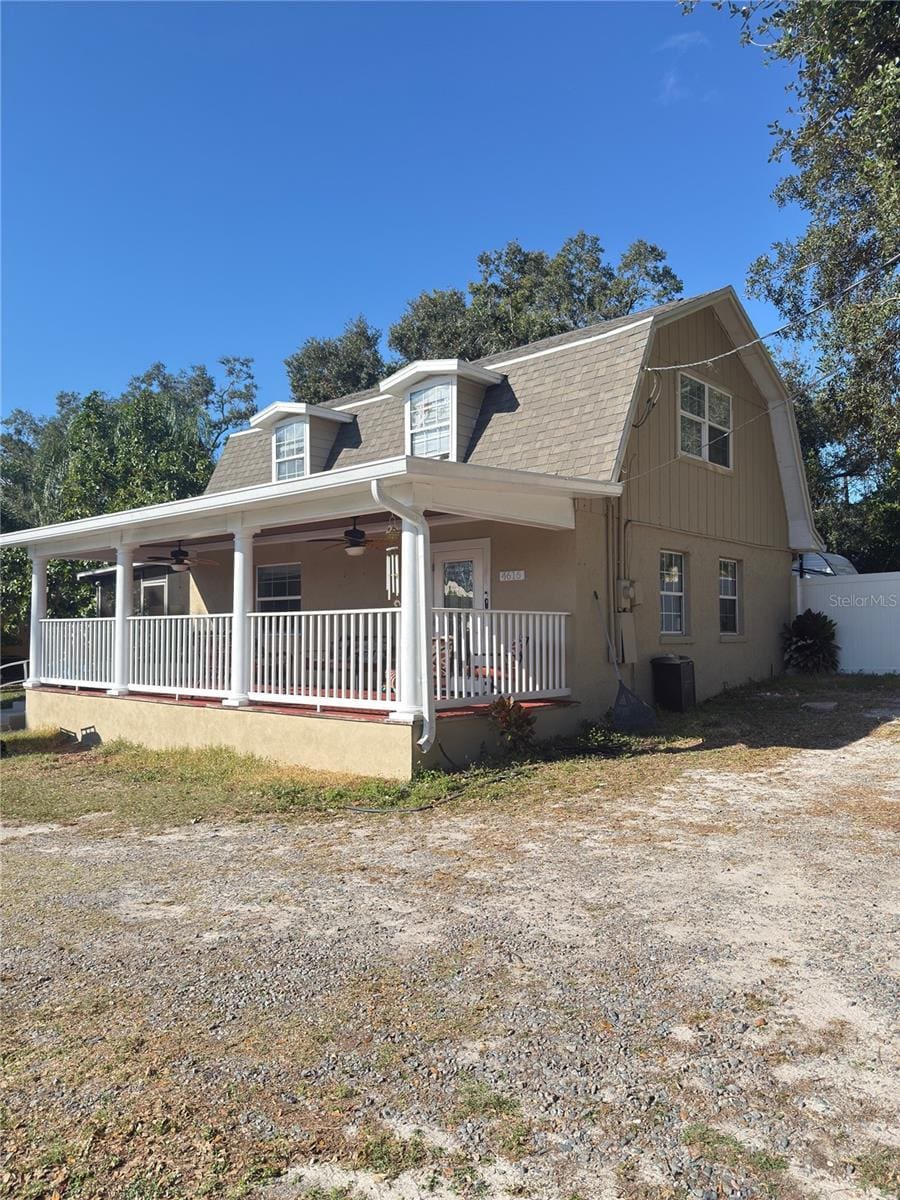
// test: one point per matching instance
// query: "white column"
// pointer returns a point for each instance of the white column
(121, 644)
(241, 605)
(38, 612)
(409, 700)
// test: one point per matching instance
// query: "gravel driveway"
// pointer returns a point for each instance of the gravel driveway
(686, 993)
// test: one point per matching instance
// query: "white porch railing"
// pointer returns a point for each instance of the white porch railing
(187, 656)
(78, 650)
(480, 653)
(334, 659)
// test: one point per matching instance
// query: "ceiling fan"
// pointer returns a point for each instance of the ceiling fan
(179, 559)
(355, 541)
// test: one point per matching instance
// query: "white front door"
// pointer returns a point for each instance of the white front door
(461, 575)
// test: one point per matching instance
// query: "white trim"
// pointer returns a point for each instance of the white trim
(303, 422)
(703, 422)
(738, 606)
(447, 381)
(256, 596)
(361, 403)
(241, 433)
(682, 632)
(218, 509)
(159, 581)
(585, 341)
(481, 544)
(282, 409)
(424, 368)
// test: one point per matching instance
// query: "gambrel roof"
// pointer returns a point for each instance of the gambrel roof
(564, 407)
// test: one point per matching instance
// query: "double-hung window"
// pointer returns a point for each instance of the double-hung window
(430, 421)
(671, 592)
(278, 588)
(704, 421)
(729, 615)
(290, 451)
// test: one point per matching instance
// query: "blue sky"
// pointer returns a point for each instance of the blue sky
(182, 181)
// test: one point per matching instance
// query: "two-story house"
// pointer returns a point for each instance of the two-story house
(366, 575)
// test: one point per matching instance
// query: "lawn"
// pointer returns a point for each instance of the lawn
(48, 777)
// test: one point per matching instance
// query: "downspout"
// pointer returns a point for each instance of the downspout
(423, 582)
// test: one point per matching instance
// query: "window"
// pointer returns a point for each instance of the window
(290, 447)
(154, 594)
(705, 421)
(278, 588)
(671, 592)
(729, 615)
(429, 421)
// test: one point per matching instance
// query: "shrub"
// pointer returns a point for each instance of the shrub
(513, 723)
(809, 643)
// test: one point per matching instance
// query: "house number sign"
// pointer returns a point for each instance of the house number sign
(512, 576)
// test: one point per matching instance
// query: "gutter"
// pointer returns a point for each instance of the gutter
(423, 586)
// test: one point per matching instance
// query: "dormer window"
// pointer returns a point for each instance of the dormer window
(430, 421)
(289, 449)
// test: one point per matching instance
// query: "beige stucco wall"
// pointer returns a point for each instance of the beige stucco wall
(720, 661)
(381, 748)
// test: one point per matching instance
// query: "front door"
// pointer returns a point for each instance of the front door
(460, 576)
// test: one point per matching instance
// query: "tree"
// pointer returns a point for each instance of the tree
(325, 368)
(155, 442)
(524, 295)
(843, 151)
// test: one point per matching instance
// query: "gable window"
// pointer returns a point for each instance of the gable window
(729, 614)
(430, 421)
(278, 588)
(671, 592)
(290, 450)
(705, 421)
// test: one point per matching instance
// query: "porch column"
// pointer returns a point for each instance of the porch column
(38, 612)
(409, 699)
(241, 605)
(121, 645)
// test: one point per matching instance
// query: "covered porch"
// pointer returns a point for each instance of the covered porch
(436, 642)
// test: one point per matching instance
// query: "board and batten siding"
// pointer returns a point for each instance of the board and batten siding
(320, 436)
(469, 396)
(744, 504)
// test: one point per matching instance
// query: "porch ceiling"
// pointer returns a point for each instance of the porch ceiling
(437, 486)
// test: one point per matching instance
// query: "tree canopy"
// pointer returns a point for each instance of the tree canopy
(840, 142)
(519, 296)
(155, 442)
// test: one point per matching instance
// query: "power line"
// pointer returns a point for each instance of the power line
(721, 437)
(705, 362)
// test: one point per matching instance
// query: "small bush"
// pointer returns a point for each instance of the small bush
(513, 723)
(809, 643)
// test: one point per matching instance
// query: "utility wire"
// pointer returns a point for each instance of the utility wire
(704, 362)
(721, 437)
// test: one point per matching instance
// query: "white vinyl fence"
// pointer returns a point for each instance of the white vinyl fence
(866, 610)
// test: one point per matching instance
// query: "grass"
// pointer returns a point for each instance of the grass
(10, 696)
(47, 777)
(879, 1168)
(717, 1147)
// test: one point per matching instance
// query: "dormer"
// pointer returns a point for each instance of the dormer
(441, 400)
(302, 436)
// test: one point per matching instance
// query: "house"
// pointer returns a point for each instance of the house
(364, 576)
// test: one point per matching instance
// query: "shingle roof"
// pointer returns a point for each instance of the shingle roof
(556, 412)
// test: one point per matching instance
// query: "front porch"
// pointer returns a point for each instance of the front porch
(343, 658)
(478, 573)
